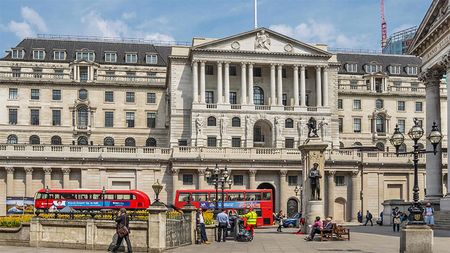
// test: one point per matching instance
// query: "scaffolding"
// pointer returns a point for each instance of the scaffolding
(399, 42)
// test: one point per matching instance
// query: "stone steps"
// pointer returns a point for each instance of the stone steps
(442, 220)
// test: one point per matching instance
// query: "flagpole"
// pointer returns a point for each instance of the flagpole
(256, 14)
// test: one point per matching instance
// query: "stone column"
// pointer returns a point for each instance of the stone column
(201, 179)
(66, 178)
(250, 83)
(283, 192)
(431, 79)
(295, 88)
(219, 83)
(29, 181)
(175, 173)
(47, 177)
(302, 86)
(227, 82)
(446, 62)
(331, 185)
(9, 181)
(325, 86)
(252, 179)
(356, 195)
(202, 82)
(318, 88)
(280, 84)
(194, 82)
(272, 85)
(243, 84)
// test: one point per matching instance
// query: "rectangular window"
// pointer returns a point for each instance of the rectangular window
(130, 97)
(353, 84)
(188, 179)
(38, 54)
(292, 180)
(401, 106)
(109, 96)
(109, 119)
(238, 180)
(257, 72)
(130, 119)
(236, 142)
(209, 70)
(151, 120)
(419, 107)
(110, 57)
(357, 125)
(151, 59)
(56, 95)
(283, 73)
(13, 93)
(34, 117)
(284, 99)
(15, 72)
(212, 141)
(151, 75)
(289, 143)
(12, 116)
(87, 56)
(131, 76)
(414, 86)
(401, 125)
(56, 117)
(59, 55)
(395, 70)
(341, 125)
(209, 97)
(35, 94)
(110, 75)
(131, 58)
(233, 70)
(59, 74)
(340, 180)
(351, 67)
(411, 70)
(151, 98)
(340, 105)
(182, 143)
(83, 74)
(357, 104)
(37, 72)
(233, 98)
(17, 54)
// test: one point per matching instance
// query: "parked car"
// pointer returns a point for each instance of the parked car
(292, 221)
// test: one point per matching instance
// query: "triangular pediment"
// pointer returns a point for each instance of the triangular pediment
(262, 40)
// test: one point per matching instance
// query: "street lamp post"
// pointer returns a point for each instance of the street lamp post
(415, 133)
(297, 190)
(157, 188)
(46, 193)
(218, 177)
(103, 196)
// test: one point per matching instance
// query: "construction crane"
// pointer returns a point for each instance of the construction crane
(383, 26)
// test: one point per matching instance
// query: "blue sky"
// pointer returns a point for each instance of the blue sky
(338, 23)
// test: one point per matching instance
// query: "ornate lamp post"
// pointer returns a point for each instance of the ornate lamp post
(297, 190)
(415, 133)
(103, 196)
(157, 188)
(47, 190)
(218, 177)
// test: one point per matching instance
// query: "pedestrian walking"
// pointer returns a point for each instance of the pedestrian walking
(428, 214)
(369, 217)
(315, 229)
(201, 225)
(396, 219)
(224, 222)
(360, 216)
(280, 217)
(123, 230)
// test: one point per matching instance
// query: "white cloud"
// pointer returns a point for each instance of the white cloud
(128, 15)
(316, 32)
(34, 19)
(159, 37)
(31, 23)
(20, 29)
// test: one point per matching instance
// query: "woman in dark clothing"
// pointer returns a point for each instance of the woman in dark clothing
(280, 216)
(123, 220)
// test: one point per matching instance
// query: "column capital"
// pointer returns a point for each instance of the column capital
(280, 65)
(201, 172)
(355, 173)
(295, 66)
(283, 173)
(446, 60)
(65, 171)
(250, 64)
(273, 65)
(318, 67)
(431, 76)
(219, 62)
(243, 64)
(9, 170)
(302, 67)
(227, 63)
(202, 63)
(252, 172)
(47, 170)
(28, 170)
(331, 172)
(175, 171)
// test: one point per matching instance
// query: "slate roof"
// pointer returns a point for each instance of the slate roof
(384, 59)
(99, 47)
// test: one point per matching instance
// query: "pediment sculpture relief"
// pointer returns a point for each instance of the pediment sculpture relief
(262, 40)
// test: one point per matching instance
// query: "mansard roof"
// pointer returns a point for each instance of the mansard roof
(99, 47)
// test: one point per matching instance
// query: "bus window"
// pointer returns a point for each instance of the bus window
(252, 196)
(97, 196)
(132, 196)
(40, 196)
(258, 211)
(109, 196)
(123, 196)
(183, 197)
(235, 196)
(266, 196)
(200, 196)
(82, 196)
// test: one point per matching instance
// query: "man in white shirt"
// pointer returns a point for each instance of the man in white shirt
(201, 225)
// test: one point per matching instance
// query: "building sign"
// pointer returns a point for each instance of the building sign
(436, 48)
(19, 205)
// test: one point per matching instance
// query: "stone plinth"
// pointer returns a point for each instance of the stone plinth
(156, 228)
(416, 239)
(314, 208)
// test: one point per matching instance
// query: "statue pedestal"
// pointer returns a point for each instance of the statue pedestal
(416, 239)
(314, 208)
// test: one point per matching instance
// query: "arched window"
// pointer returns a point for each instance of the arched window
(379, 123)
(341, 144)
(56, 140)
(82, 94)
(82, 140)
(258, 95)
(358, 144)
(35, 140)
(236, 122)
(150, 142)
(82, 117)
(12, 139)
(211, 121)
(130, 142)
(289, 123)
(108, 141)
(380, 146)
(402, 148)
(379, 104)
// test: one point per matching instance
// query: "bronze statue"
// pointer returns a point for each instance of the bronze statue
(314, 179)
(312, 128)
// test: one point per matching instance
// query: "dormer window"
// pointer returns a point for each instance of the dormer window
(372, 68)
(87, 56)
(59, 55)
(38, 54)
(395, 69)
(411, 70)
(351, 67)
(131, 58)
(110, 57)
(17, 53)
(151, 59)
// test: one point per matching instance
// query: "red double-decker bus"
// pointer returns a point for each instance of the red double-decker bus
(238, 200)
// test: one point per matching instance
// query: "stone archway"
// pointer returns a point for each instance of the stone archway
(292, 207)
(271, 187)
(340, 207)
(262, 134)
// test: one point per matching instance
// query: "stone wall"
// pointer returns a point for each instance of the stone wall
(15, 236)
